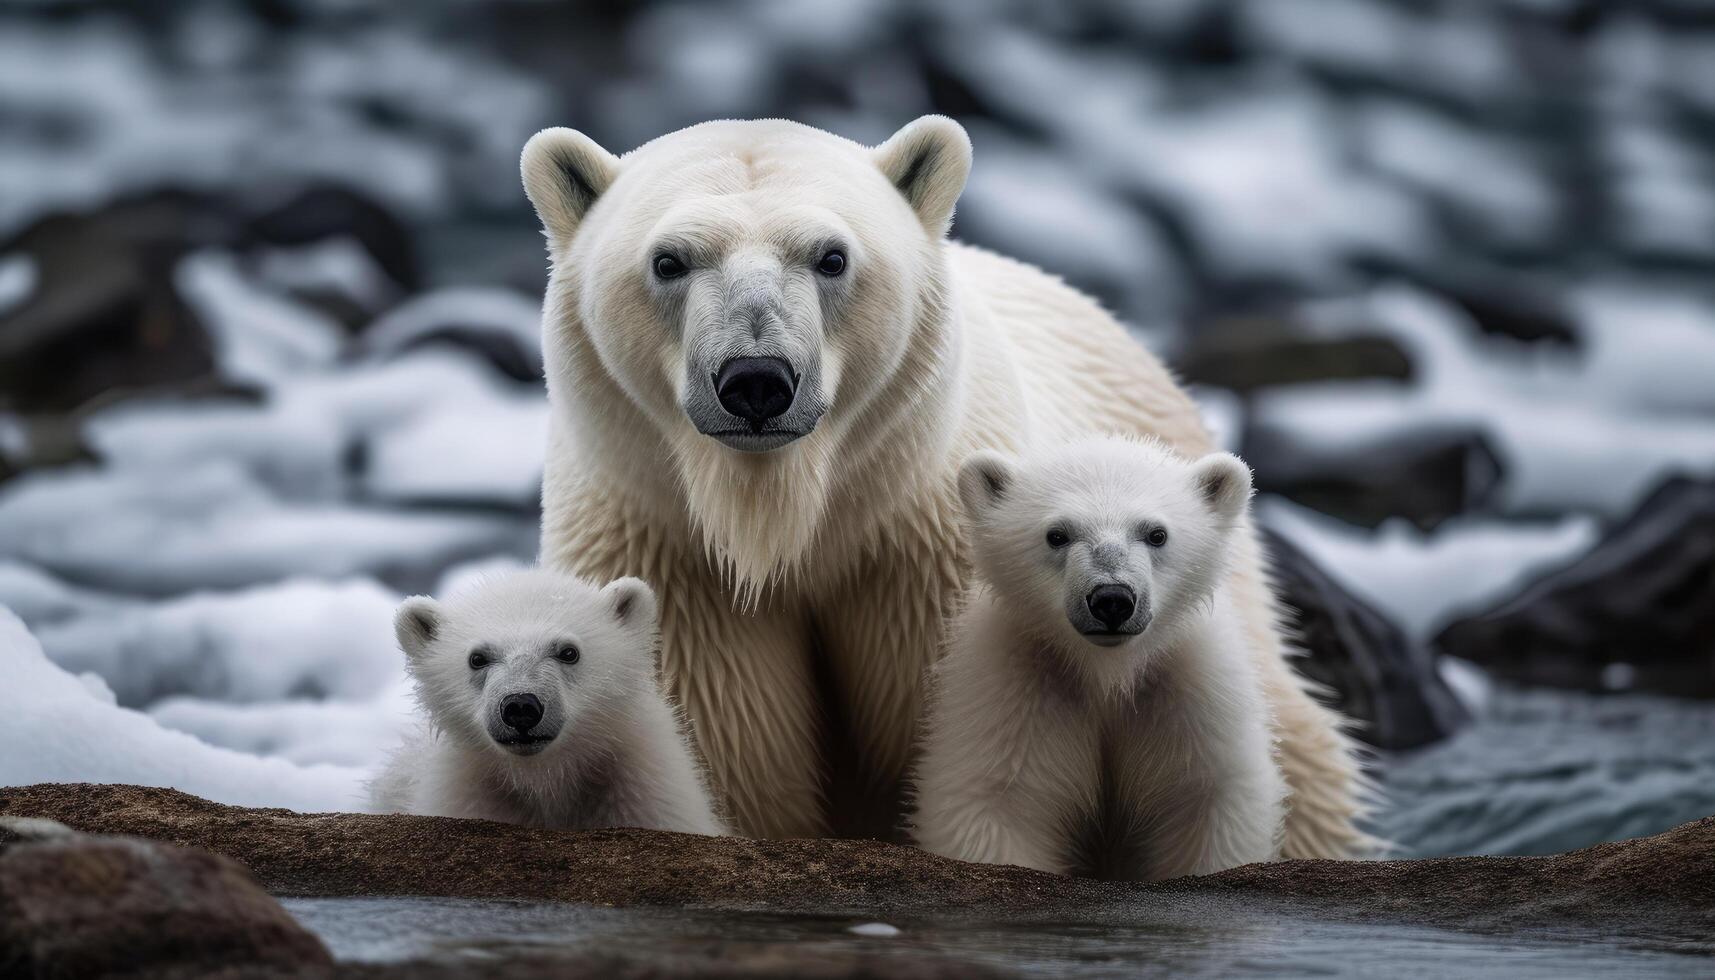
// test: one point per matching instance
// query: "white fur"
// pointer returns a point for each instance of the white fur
(1149, 758)
(805, 588)
(617, 756)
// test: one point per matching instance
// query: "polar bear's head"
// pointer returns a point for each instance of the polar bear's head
(518, 662)
(757, 291)
(1108, 542)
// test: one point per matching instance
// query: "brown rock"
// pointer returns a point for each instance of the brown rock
(78, 906)
(1654, 886)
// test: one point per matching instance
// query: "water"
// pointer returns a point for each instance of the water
(1541, 772)
(1237, 941)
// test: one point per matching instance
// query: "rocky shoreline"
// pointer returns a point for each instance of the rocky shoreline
(1657, 890)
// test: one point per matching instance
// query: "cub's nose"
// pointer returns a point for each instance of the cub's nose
(521, 712)
(1112, 605)
(756, 389)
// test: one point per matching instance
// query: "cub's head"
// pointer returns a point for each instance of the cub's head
(521, 661)
(742, 281)
(1110, 542)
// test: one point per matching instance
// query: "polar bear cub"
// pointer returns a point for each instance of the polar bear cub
(543, 709)
(1097, 711)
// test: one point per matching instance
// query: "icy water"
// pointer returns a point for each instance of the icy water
(1541, 772)
(1249, 942)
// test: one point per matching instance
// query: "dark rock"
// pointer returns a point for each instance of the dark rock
(77, 906)
(313, 213)
(1423, 475)
(1248, 354)
(1373, 673)
(1661, 887)
(1506, 309)
(103, 315)
(1636, 611)
(498, 325)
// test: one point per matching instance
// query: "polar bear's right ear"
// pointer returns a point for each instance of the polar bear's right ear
(928, 161)
(984, 481)
(415, 624)
(564, 172)
(631, 601)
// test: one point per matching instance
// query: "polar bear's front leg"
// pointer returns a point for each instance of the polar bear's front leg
(1211, 827)
(745, 683)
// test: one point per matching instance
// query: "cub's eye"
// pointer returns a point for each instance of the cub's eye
(1156, 537)
(1058, 538)
(832, 264)
(479, 659)
(567, 653)
(668, 266)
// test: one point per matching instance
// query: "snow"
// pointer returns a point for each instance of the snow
(56, 729)
(1422, 581)
(17, 281)
(258, 336)
(213, 526)
(1575, 433)
(511, 316)
(355, 733)
(299, 638)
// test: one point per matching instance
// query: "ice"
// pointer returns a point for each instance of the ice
(56, 729)
(299, 638)
(1423, 580)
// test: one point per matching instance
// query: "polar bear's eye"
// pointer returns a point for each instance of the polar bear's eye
(833, 263)
(1058, 538)
(479, 659)
(567, 653)
(1156, 537)
(668, 266)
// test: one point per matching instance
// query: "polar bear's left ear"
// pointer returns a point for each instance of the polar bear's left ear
(631, 601)
(928, 161)
(1224, 481)
(564, 172)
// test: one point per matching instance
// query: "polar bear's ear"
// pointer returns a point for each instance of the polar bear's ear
(928, 161)
(1224, 482)
(631, 601)
(984, 480)
(415, 624)
(564, 172)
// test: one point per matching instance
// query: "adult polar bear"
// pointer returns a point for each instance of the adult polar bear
(765, 364)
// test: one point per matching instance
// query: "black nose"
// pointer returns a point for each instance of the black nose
(1112, 605)
(521, 712)
(756, 389)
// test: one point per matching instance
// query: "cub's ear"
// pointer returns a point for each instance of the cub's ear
(631, 601)
(564, 172)
(1224, 482)
(415, 624)
(928, 161)
(984, 481)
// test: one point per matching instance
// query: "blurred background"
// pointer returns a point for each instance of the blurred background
(1441, 271)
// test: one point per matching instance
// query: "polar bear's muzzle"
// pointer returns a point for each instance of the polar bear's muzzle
(753, 404)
